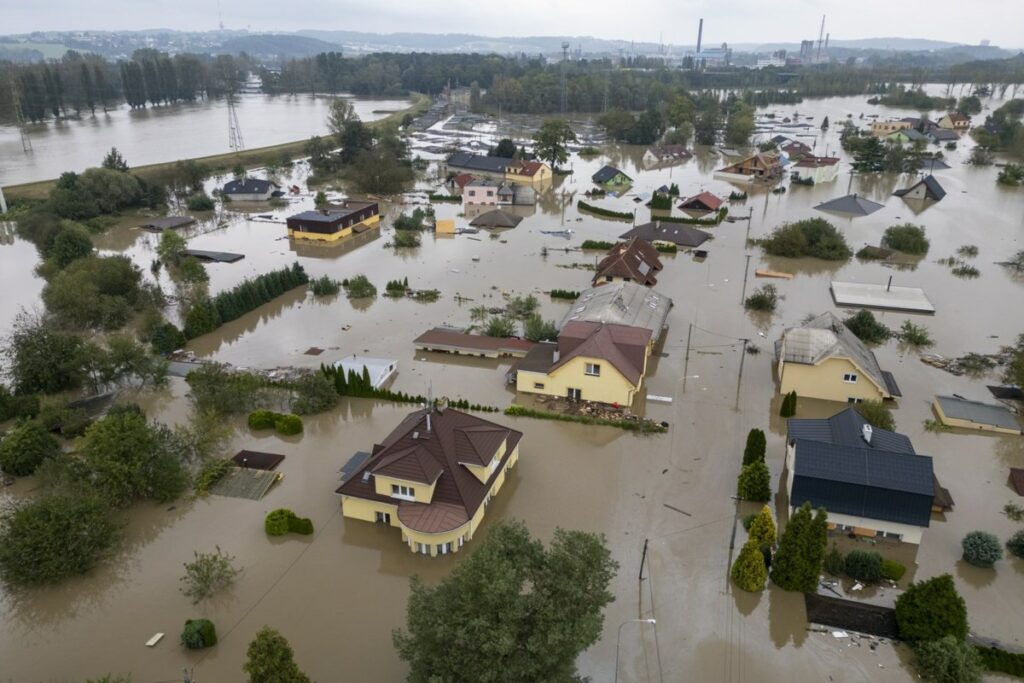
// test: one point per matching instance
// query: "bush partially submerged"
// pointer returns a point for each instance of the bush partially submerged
(907, 237)
(864, 565)
(207, 574)
(198, 633)
(982, 549)
(867, 328)
(813, 237)
(282, 521)
(764, 299)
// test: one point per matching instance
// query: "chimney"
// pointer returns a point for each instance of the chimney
(556, 355)
(866, 432)
(428, 422)
(700, 34)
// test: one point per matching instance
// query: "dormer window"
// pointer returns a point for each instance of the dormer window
(403, 492)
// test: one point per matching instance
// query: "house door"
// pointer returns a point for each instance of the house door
(575, 394)
(383, 518)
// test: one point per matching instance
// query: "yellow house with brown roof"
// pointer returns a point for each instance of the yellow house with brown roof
(432, 477)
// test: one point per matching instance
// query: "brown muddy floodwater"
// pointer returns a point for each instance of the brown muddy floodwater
(338, 596)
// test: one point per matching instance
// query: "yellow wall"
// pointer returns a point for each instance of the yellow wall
(610, 387)
(365, 510)
(967, 424)
(344, 232)
(825, 381)
(541, 176)
(444, 226)
(424, 492)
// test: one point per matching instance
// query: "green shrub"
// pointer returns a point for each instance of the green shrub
(661, 202)
(643, 426)
(359, 287)
(748, 571)
(876, 414)
(210, 473)
(288, 425)
(754, 482)
(300, 525)
(1001, 661)
(25, 447)
(814, 237)
(324, 286)
(262, 419)
(756, 446)
(864, 325)
(404, 239)
(915, 335)
(1016, 544)
(200, 202)
(788, 407)
(948, 660)
(596, 245)
(930, 610)
(207, 574)
(982, 549)
(864, 566)
(313, 393)
(198, 633)
(666, 248)
(908, 238)
(892, 570)
(835, 563)
(167, 338)
(762, 528)
(566, 294)
(966, 271)
(607, 213)
(764, 299)
(276, 523)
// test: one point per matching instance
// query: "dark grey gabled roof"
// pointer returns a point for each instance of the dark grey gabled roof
(846, 428)
(863, 482)
(932, 188)
(607, 173)
(248, 186)
(676, 233)
(850, 204)
(479, 162)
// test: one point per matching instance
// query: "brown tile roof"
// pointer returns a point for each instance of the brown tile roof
(623, 346)
(443, 336)
(704, 200)
(817, 162)
(463, 179)
(255, 460)
(636, 260)
(524, 168)
(453, 438)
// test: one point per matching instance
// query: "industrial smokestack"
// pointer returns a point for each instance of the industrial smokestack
(700, 34)
(826, 40)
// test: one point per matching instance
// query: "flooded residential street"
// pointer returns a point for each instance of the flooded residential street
(338, 595)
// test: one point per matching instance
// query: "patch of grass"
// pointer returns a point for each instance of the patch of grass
(935, 427)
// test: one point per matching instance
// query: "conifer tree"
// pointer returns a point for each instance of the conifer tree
(754, 482)
(749, 572)
(762, 529)
(795, 567)
(756, 446)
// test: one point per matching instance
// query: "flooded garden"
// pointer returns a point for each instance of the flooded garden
(338, 595)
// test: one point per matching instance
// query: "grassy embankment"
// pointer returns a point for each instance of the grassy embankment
(222, 163)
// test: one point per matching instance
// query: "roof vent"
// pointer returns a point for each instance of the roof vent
(366, 476)
(415, 435)
(556, 355)
(866, 432)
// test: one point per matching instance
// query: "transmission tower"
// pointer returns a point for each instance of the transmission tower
(565, 59)
(26, 142)
(607, 78)
(235, 141)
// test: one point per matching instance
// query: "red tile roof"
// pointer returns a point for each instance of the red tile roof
(701, 201)
(439, 450)
(636, 260)
(442, 336)
(463, 179)
(817, 162)
(524, 168)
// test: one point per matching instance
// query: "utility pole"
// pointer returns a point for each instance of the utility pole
(565, 59)
(739, 377)
(235, 141)
(746, 273)
(750, 219)
(686, 363)
(26, 142)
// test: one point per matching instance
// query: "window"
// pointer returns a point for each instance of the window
(574, 394)
(444, 548)
(403, 492)
(853, 399)
(423, 548)
(538, 385)
(490, 193)
(593, 369)
(850, 377)
(383, 518)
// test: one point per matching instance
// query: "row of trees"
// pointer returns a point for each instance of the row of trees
(209, 314)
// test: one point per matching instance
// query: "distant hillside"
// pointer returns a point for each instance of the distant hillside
(276, 46)
(466, 42)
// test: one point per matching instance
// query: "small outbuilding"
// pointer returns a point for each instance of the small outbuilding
(609, 175)
(955, 411)
(705, 201)
(926, 188)
(851, 205)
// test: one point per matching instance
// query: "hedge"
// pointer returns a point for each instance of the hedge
(436, 197)
(597, 244)
(893, 570)
(198, 633)
(282, 521)
(607, 213)
(262, 419)
(1001, 661)
(569, 295)
(630, 425)
(285, 424)
(209, 314)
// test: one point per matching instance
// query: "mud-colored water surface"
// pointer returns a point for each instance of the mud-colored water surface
(338, 595)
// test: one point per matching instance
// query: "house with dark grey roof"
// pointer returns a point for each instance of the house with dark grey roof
(926, 188)
(824, 359)
(941, 135)
(334, 221)
(870, 480)
(432, 478)
(478, 165)
(249, 189)
(668, 234)
(610, 176)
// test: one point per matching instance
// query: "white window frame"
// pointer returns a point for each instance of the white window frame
(849, 377)
(574, 393)
(593, 369)
(402, 491)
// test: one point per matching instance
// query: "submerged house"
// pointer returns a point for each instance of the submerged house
(816, 169)
(668, 234)
(824, 359)
(954, 411)
(432, 478)
(591, 361)
(632, 261)
(622, 303)
(926, 188)
(761, 166)
(940, 135)
(334, 221)
(870, 480)
(665, 154)
(479, 165)
(527, 172)
(249, 190)
(883, 128)
(955, 121)
(705, 201)
(480, 191)
(611, 176)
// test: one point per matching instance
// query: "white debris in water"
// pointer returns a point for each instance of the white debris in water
(840, 634)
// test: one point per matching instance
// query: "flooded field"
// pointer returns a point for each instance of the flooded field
(339, 595)
(159, 134)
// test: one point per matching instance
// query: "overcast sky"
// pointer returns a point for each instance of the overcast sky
(734, 21)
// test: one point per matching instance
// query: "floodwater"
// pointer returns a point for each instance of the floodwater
(168, 133)
(338, 596)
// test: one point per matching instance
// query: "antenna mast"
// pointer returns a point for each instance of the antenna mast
(26, 143)
(565, 58)
(235, 141)
(821, 38)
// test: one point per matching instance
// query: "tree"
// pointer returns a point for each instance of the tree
(930, 610)
(982, 549)
(788, 407)
(756, 446)
(876, 414)
(531, 611)
(500, 326)
(969, 105)
(749, 571)
(948, 660)
(906, 237)
(95, 293)
(71, 243)
(49, 538)
(798, 561)
(537, 329)
(340, 116)
(1016, 544)
(824, 123)
(25, 447)
(314, 393)
(375, 171)
(114, 161)
(754, 482)
(505, 148)
(550, 142)
(864, 565)
(41, 358)
(739, 126)
(705, 127)
(867, 328)
(1014, 372)
(207, 574)
(171, 247)
(762, 529)
(270, 659)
